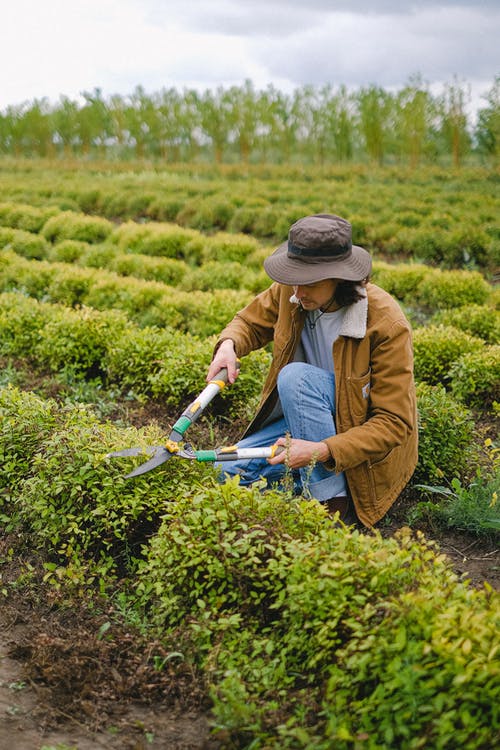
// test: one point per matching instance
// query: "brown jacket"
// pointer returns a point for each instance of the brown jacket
(376, 413)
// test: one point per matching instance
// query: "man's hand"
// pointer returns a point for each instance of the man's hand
(225, 357)
(299, 453)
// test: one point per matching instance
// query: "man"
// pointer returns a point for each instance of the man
(340, 394)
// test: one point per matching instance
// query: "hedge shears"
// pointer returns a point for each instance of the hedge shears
(174, 445)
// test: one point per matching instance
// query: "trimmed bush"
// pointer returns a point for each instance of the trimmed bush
(70, 225)
(475, 377)
(437, 347)
(302, 646)
(77, 340)
(224, 247)
(167, 270)
(21, 321)
(446, 436)
(402, 281)
(448, 289)
(25, 422)
(26, 244)
(165, 240)
(67, 251)
(482, 321)
(24, 216)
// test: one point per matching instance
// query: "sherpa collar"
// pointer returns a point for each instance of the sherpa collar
(356, 317)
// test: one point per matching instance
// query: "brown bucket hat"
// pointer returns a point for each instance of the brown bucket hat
(318, 247)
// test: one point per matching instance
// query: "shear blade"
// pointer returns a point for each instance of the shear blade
(159, 458)
(134, 451)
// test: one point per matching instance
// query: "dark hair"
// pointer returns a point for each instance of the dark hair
(347, 292)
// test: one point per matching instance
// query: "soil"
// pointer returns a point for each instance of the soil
(68, 682)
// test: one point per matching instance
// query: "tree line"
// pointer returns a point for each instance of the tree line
(321, 125)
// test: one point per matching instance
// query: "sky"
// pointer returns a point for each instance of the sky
(50, 48)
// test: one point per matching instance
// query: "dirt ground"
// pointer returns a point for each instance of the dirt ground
(66, 685)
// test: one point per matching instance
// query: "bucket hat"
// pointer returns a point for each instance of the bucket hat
(318, 247)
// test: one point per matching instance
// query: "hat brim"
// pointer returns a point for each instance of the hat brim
(293, 271)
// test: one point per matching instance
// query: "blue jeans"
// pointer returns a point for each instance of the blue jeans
(307, 396)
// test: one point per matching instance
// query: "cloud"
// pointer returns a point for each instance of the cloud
(60, 47)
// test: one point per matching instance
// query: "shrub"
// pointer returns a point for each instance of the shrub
(212, 212)
(25, 422)
(479, 320)
(402, 281)
(166, 240)
(446, 435)
(216, 275)
(437, 347)
(16, 273)
(98, 256)
(77, 504)
(300, 645)
(69, 284)
(21, 322)
(167, 270)
(70, 225)
(224, 247)
(26, 217)
(23, 243)
(77, 340)
(475, 377)
(449, 289)
(67, 251)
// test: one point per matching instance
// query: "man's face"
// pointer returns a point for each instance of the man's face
(315, 296)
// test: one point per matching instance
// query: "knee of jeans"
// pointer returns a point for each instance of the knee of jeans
(290, 376)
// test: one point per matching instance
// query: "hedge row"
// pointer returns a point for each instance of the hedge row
(431, 217)
(417, 286)
(166, 364)
(145, 302)
(87, 343)
(378, 644)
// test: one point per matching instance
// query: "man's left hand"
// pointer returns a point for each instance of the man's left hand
(299, 453)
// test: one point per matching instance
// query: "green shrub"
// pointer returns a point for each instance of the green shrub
(216, 275)
(475, 377)
(446, 435)
(448, 289)
(436, 347)
(165, 240)
(167, 270)
(300, 645)
(30, 276)
(77, 504)
(24, 216)
(482, 321)
(77, 340)
(70, 225)
(98, 256)
(25, 422)
(67, 251)
(23, 243)
(21, 321)
(402, 281)
(69, 285)
(225, 247)
(212, 212)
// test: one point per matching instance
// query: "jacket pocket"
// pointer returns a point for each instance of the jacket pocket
(358, 394)
(386, 473)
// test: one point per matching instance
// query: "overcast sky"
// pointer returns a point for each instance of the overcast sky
(63, 47)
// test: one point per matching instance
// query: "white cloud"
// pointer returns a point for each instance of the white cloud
(67, 46)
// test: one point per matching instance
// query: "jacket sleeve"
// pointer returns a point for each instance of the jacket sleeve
(253, 327)
(391, 415)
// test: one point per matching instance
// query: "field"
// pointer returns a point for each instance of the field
(171, 611)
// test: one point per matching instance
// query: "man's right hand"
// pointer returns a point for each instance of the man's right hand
(225, 357)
